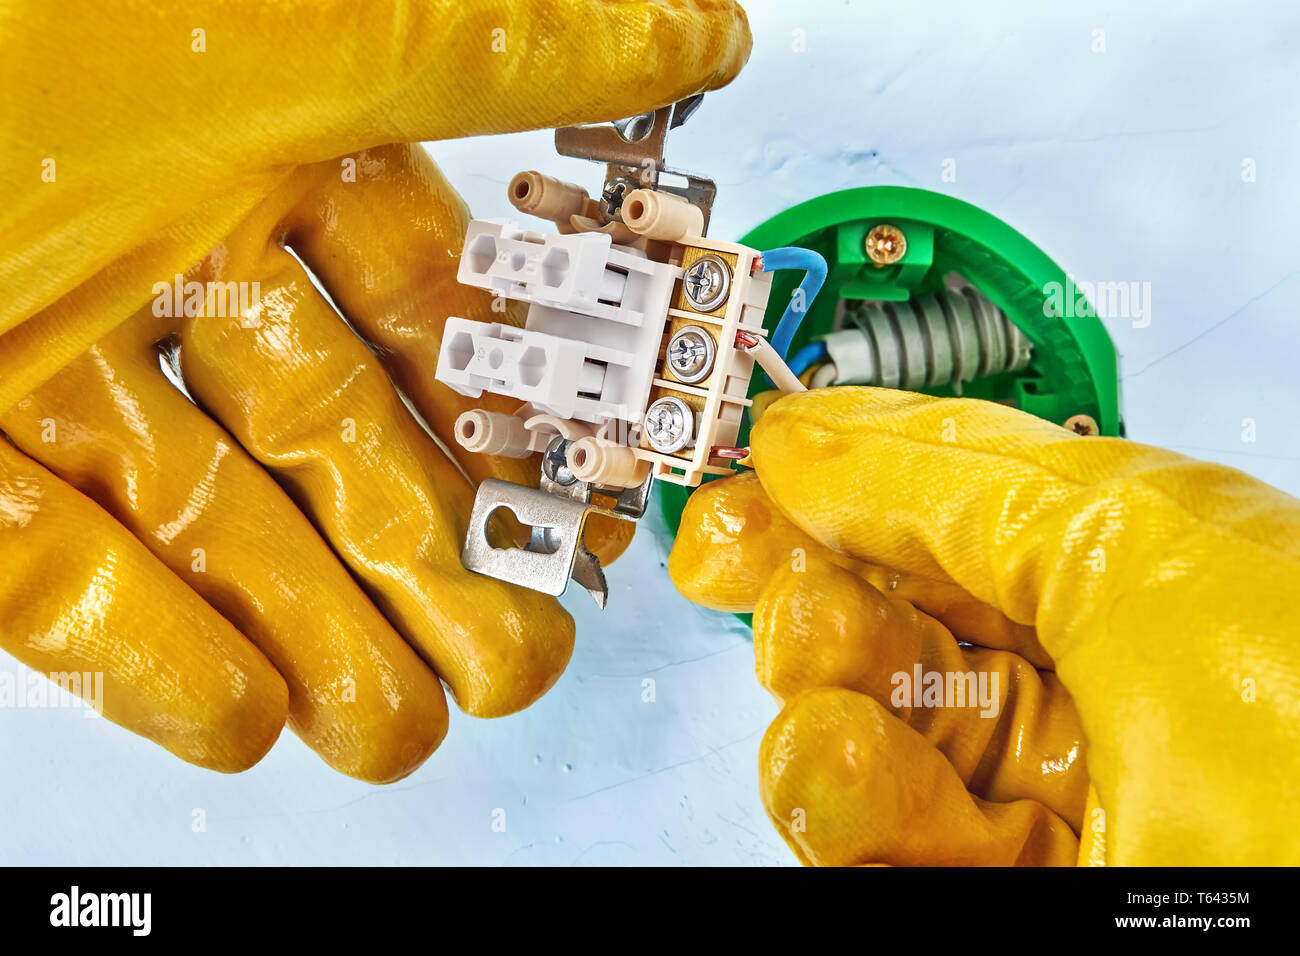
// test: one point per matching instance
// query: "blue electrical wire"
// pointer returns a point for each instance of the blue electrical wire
(814, 266)
(808, 356)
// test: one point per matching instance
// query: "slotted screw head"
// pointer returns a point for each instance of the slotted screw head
(706, 282)
(1082, 425)
(613, 194)
(669, 424)
(555, 462)
(885, 244)
(690, 354)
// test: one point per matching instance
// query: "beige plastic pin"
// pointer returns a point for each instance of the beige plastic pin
(603, 463)
(661, 216)
(548, 198)
(492, 433)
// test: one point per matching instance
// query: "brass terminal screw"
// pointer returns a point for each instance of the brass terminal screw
(885, 244)
(1082, 425)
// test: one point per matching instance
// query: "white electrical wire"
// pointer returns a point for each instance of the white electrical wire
(772, 363)
(825, 375)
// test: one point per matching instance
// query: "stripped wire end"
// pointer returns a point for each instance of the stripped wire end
(769, 361)
(728, 451)
(731, 453)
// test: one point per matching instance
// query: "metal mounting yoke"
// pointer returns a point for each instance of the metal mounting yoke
(556, 511)
(633, 151)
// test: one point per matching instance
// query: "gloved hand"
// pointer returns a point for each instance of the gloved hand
(1137, 608)
(288, 542)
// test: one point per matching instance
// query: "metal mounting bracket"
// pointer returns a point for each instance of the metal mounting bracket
(633, 151)
(556, 511)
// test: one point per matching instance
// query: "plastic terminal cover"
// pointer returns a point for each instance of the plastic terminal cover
(592, 338)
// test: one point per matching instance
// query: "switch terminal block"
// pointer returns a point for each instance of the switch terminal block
(634, 362)
(639, 355)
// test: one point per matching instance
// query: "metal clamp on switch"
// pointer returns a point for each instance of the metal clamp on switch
(556, 511)
(633, 151)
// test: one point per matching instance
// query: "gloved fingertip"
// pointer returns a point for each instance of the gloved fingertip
(846, 782)
(817, 624)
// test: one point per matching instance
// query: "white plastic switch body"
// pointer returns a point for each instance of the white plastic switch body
(592, 338)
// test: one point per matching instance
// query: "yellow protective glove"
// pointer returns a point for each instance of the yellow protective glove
(1137, 607)
(288, 543)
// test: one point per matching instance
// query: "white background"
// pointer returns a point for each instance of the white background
(1123, 165)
